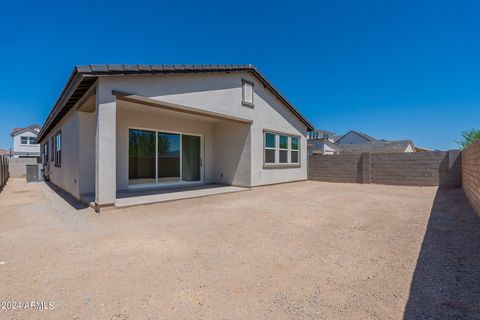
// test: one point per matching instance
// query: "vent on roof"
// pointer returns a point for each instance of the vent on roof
(247, 93)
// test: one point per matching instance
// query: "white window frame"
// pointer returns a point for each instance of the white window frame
(246, 102)
(21, 140)
(58, 148)
(270, 148)
(289, 150)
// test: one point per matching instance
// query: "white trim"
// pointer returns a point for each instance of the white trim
(168, 184)
(278, 149)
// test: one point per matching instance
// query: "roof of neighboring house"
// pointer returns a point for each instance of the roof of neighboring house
(83, 77)
(3, 151)
(364, 135)
(379, 146)
(336, 137)
(33, 127)
(322, 131)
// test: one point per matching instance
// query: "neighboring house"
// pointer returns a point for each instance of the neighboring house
(320, 134)
(354, 142)
(125, 127)
(354, 137)
(322, 146)
(378, 146)
(321, 142)
(23, 142)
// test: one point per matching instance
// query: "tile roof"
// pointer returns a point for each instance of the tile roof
(83, 77)
(364, 135)
(379, 146)
(16, 131)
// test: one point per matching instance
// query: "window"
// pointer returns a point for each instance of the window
(281, 149)
(31, 140)
(45, 153)
(58, 149)
(270, 147)
(24, 140)
(247, 93)
(52, 148)
(294, 150)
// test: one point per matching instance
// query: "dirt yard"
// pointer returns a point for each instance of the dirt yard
(307, 250)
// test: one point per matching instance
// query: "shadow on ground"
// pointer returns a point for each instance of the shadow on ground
(66, 196)
(446, 281)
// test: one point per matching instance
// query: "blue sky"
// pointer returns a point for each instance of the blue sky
(393, 69)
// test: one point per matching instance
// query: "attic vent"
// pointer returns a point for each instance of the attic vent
(247, 93)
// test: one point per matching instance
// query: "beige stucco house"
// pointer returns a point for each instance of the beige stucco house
(130, 127)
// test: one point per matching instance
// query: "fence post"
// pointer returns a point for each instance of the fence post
(366, 167)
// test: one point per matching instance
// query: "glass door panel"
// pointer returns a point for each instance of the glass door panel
(168, 157)
(141, 156)
(191, 150)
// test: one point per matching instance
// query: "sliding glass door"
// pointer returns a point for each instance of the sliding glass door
(191, 158)
(168, 157)
(141, 157)
(163, 158)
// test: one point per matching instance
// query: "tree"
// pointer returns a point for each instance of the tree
(469, 137)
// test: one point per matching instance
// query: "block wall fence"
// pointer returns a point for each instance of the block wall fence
(471, 174)
(4, 172)
(435, 168)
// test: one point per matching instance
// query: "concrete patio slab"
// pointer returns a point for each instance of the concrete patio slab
(149, 196)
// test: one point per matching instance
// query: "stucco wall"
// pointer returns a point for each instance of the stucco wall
(67, 175)
(471, 174)
(232, 154)
(87, 122)
(219, 93)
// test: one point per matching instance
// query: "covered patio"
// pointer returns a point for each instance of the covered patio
(158, 151)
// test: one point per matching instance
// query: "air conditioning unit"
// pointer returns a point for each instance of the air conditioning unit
(34, 172)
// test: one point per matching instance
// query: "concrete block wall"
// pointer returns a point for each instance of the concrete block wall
(408, 169)
(335, 168)
(471, 174)
(18, 166)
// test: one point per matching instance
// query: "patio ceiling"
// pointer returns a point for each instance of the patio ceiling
(176, 107)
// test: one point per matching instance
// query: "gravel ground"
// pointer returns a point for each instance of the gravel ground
(306, 250)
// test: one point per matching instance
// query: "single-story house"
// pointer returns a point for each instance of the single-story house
(129, 127)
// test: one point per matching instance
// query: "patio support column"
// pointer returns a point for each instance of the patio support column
(105, 150)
